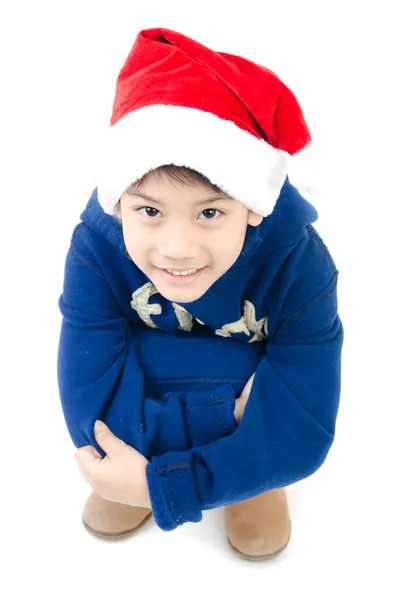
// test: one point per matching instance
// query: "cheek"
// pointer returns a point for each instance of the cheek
(135, 241)
(136, 251)
(230, 243)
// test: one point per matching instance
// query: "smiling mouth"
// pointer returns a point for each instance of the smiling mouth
(181, 272)
(185, 276)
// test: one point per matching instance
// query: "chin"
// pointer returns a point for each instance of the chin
(183, 296)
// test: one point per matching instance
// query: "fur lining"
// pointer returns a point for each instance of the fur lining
(242, 165)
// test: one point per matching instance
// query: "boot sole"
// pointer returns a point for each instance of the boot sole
(121, 534)
(261, 556)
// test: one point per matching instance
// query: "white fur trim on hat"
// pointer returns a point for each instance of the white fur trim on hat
(242, 165)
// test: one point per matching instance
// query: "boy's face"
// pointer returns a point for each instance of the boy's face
(182, 231)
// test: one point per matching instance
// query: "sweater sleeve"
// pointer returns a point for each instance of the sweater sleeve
(100, 376)
(286, 430)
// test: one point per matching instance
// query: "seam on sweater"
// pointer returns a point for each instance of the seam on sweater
(94, 268)
(209, 447)
(211, 380)
(87, 261)
(172, 467)
(163, 478)
(331, 437)
(312, 303)
(316, 236)
(216, 402)
(304, 336)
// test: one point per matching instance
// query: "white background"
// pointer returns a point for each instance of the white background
(59, 64)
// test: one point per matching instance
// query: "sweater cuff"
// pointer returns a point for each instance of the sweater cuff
(210, 415)
(172, 490)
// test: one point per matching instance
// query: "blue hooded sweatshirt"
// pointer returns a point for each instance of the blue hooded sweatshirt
(165, 376)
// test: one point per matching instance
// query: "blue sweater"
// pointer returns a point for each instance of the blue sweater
(165, 376)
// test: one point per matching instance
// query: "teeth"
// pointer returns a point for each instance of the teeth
(182, 272)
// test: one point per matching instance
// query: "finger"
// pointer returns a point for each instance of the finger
(96, 453)
(86, 459)
(90, 450)
(111, 444)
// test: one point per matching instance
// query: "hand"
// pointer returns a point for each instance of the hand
(242, 400)
(121, 475)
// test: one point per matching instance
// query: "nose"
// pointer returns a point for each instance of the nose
(176, 243)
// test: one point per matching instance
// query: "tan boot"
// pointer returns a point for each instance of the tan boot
(259, 528)
(111, 520)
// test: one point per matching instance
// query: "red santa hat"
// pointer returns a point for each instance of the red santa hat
(178, 102)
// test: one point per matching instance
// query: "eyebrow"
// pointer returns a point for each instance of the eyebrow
(149, 199)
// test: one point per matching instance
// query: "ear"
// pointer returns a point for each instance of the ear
(254, 219)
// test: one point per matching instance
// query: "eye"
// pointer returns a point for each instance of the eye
(211, 210)
(151, 212)
(148, 208)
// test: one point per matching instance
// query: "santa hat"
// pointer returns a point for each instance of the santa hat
(178, 102)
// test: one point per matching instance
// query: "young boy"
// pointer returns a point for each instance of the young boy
(194, 282)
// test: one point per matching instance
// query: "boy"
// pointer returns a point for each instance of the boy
(194, 282)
